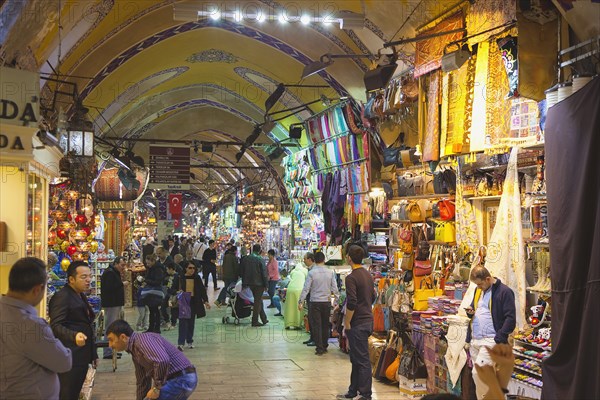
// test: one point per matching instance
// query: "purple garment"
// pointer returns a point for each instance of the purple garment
(184, 300)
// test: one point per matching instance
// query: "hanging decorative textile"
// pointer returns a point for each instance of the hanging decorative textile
(429, 52)
(487, 14)
(505, 252)
(431, 147)
(497, 104)
(508, 50)
(467, 237)
(478, 118)
(537, 56)
(456, 91)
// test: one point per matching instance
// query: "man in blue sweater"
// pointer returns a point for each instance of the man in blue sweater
(493, 319)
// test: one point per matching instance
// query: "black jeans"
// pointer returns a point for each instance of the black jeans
(318, 318)
(258, 309)
(210, 268)
(360, 379)
(71, 382)
(154, 319)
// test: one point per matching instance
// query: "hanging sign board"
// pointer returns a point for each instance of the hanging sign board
(169, 167)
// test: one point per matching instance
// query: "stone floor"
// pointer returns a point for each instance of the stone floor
(244, 362)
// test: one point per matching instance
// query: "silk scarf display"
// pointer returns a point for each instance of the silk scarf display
(431, 147)
(505, 251)
(467, 237)
(497, 103)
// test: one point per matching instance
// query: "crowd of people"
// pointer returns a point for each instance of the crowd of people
(56, 363)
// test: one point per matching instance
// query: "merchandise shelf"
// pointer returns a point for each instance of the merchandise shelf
(472, 198)
(523, 355)
(532, 345)
(526, 383)
(424, 196)
(525, 370)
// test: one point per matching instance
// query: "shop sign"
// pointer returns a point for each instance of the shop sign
(19, 94)
(169, 167)
(15, 144)
(115, 205)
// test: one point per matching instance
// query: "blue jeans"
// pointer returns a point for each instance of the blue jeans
(223, 292)
(277, 303)
(186, 330)
(271, 289)
(179, 388)
(361, 379)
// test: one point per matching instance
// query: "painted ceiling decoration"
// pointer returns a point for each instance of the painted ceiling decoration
(145, 75)
(212, 55)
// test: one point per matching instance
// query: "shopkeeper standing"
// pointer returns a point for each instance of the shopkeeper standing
(112, 296)
(493, 319)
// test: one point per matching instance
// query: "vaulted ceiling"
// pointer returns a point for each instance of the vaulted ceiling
(145, 75)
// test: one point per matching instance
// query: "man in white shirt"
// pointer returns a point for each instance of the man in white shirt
(198, 251)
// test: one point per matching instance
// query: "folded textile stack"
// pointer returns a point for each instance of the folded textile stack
(450, 306)
(439, 325)
(416, 321)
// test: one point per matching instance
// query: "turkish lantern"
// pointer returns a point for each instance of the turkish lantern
(80, 219)
(71, 250)
(64, 264)
(61, 233)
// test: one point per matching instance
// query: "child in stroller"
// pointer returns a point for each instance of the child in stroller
(241, 302)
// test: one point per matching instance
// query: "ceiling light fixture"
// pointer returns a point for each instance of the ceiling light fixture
(453, 60)
(193, 12)
(295, 131)
(280, 90)
(326, 60)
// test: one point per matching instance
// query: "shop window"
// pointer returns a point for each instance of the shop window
(36, 223)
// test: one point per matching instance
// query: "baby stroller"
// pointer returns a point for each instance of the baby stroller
(241, 302)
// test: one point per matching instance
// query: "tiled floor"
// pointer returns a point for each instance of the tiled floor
(243, 362)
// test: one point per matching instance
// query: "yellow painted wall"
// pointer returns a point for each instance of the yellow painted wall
(13, 211)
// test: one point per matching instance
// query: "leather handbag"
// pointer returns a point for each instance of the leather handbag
(422, 244)
(388, 173)
(428, 184)
(435, 211)
(439, 185)
(391, 154)
(407, 262)
(422, 295)
(445, 231)
(447, 209)
(414, 212)
(391, 373)
(333, 253)
(405, 185)
(422, 268)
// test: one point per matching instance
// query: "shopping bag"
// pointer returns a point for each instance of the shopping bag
(422, 294)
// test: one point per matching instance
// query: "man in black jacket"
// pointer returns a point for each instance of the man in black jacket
(112, 296)
(254, 274)
(209, 259)
(72, 319)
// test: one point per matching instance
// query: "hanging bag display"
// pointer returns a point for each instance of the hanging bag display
(447, 209)
(422, 294)
(445, 231)
(405, 185)
(422, 268)
(414, 213)
(423, 244)
(391, 154)
(407, 261)
(411, 366)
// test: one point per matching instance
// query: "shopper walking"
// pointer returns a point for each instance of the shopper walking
(147, 249)
(72, 321)
(28, 369)
(192, 302)
(209, 259)
(198, 253)
(321, 284)
(273, 271)
(112, 296)
(254, 275)
(170, 314)
(151, 293)
(161, 371)
(143, 320)
(231, 273)
(493, 319)
(358, 324)
(292, 317)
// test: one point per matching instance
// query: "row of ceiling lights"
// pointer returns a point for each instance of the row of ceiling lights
(194, 11)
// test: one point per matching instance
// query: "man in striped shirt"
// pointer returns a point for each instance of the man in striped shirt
(161, 371)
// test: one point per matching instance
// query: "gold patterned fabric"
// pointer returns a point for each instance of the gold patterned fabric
(505, 251)
(429, 52)
(497, 105)
(487, 14)
(454, 111)
(431, 147)
(478, 116)
(467, 237)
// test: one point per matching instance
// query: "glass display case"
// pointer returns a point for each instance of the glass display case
(36, 210)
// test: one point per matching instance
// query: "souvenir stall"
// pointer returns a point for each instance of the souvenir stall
(470, 187)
